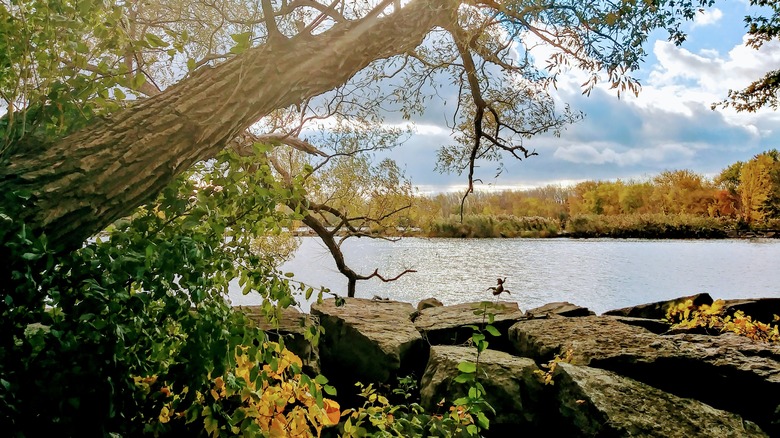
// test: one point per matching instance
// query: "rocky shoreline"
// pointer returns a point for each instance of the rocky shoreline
(629, 375)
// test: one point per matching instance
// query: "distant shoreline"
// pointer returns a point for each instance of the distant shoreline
(645, 226)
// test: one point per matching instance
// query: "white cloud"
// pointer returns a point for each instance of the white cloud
(681, 77)
(599, 153)
(668, 126)
(709, 71)
(707, 17)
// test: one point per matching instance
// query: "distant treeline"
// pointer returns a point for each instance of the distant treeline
(681, 203)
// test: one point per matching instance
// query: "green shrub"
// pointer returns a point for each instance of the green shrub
(485, 226)
(646, 226)
(144, 300)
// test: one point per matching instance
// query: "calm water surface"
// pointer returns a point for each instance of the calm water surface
(600, 274)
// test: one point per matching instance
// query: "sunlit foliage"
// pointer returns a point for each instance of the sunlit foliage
(715, 318)
(673, 203)
(546, 375)
(264, 394)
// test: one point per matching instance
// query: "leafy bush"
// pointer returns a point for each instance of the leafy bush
(274, 399)
(646, 226)
(144, 300)
(493, 226)
(378, 417)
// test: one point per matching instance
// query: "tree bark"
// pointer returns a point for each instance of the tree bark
(82, 183)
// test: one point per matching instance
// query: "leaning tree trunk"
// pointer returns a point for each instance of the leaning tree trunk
(87, 180)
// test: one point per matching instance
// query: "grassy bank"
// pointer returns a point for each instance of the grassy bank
(650, 226)
(493, 226)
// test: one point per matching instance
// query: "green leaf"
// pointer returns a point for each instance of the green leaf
(242, 42)
(467, 367)
(482, 420)
(155, 41)
(329, 390)
(191, 64)
(138, 81)
(492, 330)
(24, 195)
(261, 148)
(461, 401)
(321, 379)
(464, 378)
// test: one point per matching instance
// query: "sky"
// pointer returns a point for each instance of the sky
(669, 126)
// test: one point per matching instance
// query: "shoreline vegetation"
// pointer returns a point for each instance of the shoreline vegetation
(649, 226)
(632, 226)
(742, 201)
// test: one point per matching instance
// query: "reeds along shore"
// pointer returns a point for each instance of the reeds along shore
(651, 226)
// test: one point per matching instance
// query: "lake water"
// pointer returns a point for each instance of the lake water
(600, 274)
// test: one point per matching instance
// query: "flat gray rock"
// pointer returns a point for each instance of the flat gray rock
(445, 325)
(369, 341)
(563, 308)
(599, 403)
(729, 372)
(658, 309)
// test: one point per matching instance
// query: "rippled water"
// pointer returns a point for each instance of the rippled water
(601, 274)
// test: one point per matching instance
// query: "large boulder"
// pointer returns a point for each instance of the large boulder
(447, 325)
(563, 308)
(369, 341)
(599, 403)
(658, 309)
(729, 372)
(511, 386)
(288, 325)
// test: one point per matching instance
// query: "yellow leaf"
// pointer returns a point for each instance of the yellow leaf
(331, 411)
(165, 415)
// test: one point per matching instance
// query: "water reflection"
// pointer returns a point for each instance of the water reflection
(598, 273)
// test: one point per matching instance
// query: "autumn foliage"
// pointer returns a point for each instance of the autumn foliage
(715, 319)
(680, 202)
(264, 394)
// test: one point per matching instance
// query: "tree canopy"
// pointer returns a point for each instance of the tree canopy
(84, 155)
(763, 91)
(146, 146)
